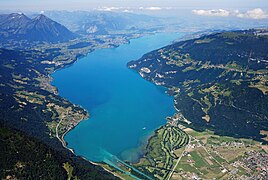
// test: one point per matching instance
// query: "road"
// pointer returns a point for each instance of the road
(178, 161)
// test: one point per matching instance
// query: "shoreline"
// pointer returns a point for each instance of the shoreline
(61, 138)
(141, 147)
(79, 57)
(51, 78)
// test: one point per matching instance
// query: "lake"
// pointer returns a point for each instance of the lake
(124, 108)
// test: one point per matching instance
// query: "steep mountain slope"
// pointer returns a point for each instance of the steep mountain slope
(31, 112)
(18, 27)
(13, 21)
(219, 81)
(24, 157)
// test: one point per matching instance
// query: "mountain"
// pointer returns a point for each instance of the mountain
(13, 21)
(27, 123)
(219, 81)
(104, 22)
(17, 27)
(24, 157)
(100, 21)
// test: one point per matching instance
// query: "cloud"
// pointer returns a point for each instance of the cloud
(151, 8)
(133, 9)
(212, 12)
(108, 8)
(127, 11)
(257, 13)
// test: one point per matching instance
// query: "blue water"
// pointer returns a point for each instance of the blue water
(124, 108)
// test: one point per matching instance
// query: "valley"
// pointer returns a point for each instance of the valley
(31, 105)
(73, 106)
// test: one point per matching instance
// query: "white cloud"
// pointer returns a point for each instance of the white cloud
(127, 11)
(108, 8)
(153, 8)
(131, 9)
(212, 12)
(150, 8)
(257, 13)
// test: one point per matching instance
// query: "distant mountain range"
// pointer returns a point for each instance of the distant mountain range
(103, 22)
(17, 26)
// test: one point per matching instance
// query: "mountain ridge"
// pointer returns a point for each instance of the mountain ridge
(19, 27)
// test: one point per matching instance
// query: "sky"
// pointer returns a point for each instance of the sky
(249, 9)
(37, 5)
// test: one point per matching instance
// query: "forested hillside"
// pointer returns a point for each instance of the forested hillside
(219, 81)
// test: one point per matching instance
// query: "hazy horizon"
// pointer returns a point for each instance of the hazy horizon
(37, 5)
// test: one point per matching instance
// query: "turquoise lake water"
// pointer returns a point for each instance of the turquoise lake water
(124, 108)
